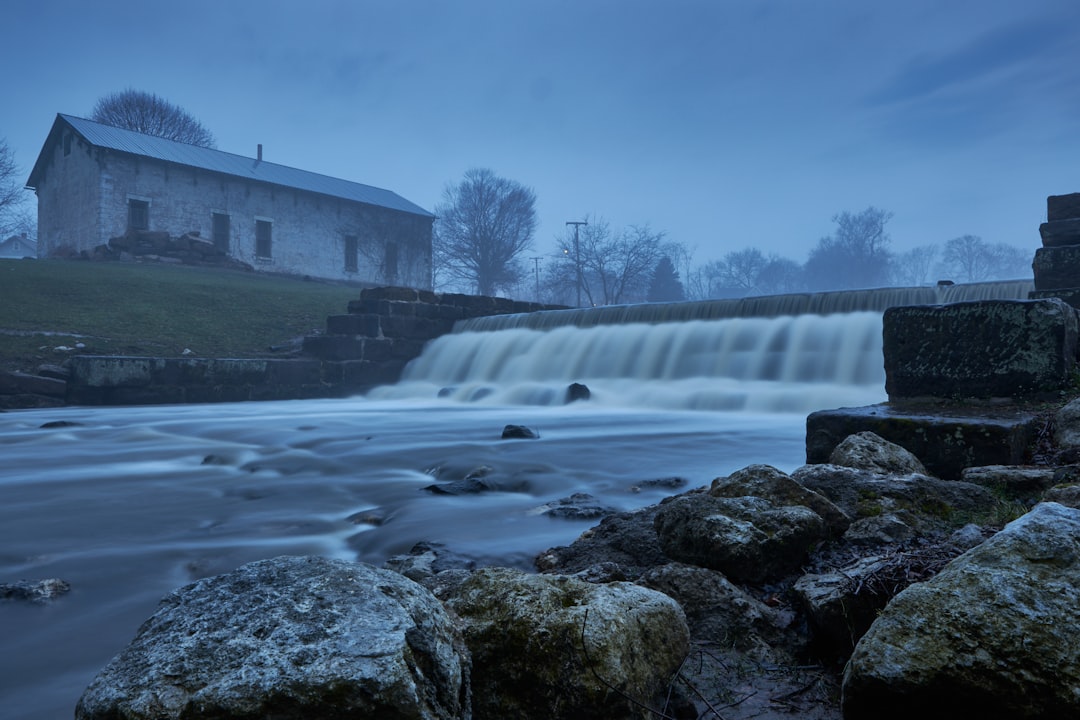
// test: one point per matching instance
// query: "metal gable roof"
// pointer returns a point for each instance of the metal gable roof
(149, 146)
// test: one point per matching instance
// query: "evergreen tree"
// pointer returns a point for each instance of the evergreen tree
(665, 285)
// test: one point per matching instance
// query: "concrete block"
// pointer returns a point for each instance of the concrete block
(989, 348)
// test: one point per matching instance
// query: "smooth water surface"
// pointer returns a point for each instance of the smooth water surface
(134, 502)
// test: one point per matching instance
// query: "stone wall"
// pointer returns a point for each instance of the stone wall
(369, 345)
(98, 380)
(389, 326)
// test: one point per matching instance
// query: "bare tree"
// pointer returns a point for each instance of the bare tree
(616, 266)
(484, 226)
(969, 258)
(742, 268)
(13, 215)
(147, 113)
(915, 266)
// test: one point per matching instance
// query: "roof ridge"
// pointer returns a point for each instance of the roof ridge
(236, 165)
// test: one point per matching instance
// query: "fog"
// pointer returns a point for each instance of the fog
(722, 125)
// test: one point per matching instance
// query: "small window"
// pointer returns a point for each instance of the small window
(138, 214)
(262, 238)
(351, 253)
(220, 231)
(67, 144)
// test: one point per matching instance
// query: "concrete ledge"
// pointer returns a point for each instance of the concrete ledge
(946, 438)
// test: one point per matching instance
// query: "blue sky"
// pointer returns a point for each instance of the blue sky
(724, 123)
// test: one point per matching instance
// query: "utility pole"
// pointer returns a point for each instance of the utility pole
(536, 271)
(577, 254)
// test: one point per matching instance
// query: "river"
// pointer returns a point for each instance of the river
(128, 503)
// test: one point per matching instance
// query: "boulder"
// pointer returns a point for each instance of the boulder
(841, 605)
(1067, 495)
(926, 504)
(1012, 481)
(749, 539)
(716, 610)
(869, 451)
(579, 506)
(1067, 425)
(986, 348)
(622, 545)
(546, 646)
(988, 637)
(290, 637)
(777, 487)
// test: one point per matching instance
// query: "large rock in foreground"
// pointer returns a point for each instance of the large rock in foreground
(991, 636)
(988, 348)
(552, 646)
(289, 638)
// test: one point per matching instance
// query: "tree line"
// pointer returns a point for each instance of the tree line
(483, 237)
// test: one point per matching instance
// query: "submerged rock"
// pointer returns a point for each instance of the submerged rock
(34, 591)
(289, 638)
(990, 636)
(518, 432)
(577, 391)
(549, 647)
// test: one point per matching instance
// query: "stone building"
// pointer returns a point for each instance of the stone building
(95, 182)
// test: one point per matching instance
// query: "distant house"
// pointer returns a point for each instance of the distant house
(95, 182)
(18, 246)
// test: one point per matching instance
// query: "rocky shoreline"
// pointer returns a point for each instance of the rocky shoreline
(862, 587)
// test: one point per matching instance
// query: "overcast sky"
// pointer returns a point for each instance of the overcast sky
(723, 123)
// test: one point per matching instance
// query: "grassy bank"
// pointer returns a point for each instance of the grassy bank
(152, 309)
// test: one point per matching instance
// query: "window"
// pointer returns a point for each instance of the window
(262, 238)
(138, 214)
(220, 231)
(67, 144)
(351, 253)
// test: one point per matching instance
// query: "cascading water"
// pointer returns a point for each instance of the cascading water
(784, 364)
(788, 353)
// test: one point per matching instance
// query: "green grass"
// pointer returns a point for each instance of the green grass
(153, 309)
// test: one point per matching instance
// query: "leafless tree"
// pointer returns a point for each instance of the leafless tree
(969, 258)
(616, 266)
(484, 225)
(147, 113)
(13, 215)
(915, 267)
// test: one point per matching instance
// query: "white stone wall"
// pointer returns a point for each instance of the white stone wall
(308, 230)
(69, 198)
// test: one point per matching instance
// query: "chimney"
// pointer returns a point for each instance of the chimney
(259, 156)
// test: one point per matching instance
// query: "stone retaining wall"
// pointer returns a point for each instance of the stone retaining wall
(370, 345)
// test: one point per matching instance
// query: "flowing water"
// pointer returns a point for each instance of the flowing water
(127, 504)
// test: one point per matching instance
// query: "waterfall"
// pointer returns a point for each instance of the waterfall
(787, 353)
